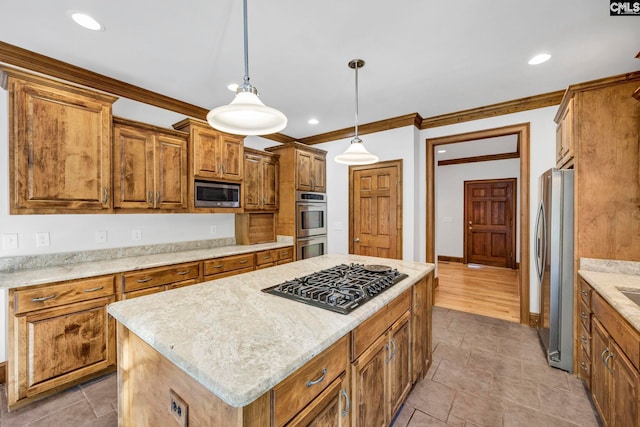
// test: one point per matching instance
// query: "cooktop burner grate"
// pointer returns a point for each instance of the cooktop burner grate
(341, 288)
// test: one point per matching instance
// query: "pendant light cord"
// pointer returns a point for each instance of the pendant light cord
(356, 67)
(246, 46)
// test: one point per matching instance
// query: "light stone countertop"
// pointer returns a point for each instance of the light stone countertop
(239, 342)
(40, 276)
(608, 278)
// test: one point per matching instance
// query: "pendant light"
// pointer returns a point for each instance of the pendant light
(246, 114)
(356, 154)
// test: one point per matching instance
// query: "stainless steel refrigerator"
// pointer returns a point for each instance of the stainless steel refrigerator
(554, 265)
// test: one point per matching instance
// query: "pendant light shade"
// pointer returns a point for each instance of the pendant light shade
(247, 114)
(356, 154)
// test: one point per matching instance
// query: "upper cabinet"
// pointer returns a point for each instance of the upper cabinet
(564, 136)
(214, 155)
(59, 145)
(302, 166)
(260, 180)
(149, 167)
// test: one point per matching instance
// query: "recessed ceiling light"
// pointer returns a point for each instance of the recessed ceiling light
(232, 87)
(313, 121)
(442, 151)
(86, 21)
(539, 59)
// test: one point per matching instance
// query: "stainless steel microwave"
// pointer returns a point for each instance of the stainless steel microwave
(209, 194)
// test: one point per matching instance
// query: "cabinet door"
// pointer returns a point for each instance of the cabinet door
(419, 330)
(133, 168)
(564, 137)
(369, 390)
(600, 375)
(399, 364)
(304, 171)
(332, 408)
(231, 157)
(318, 175)
(64, 343)
(624, 412)
(269, 184)
(171, 172)
(252, 181)
(206, 155)
(60, 140)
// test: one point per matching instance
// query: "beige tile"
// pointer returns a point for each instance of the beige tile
(495, 363)
(479, 410)
(447, 336)
(420, 419)
(432, 370)
(403, 417)
(530, 351)
(505, 332)
(468, 379)
(431, 398)
(570, 406)
(452, 353)
(544, 374)
(515, 390)
(108, 420)
(469, 327)
(473, 341)
(520, 416)
(101, 394)
(37, 410)
(75, 415)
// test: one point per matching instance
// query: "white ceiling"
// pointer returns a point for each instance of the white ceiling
(429, 57)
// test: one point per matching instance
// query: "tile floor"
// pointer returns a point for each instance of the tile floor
(485, 372)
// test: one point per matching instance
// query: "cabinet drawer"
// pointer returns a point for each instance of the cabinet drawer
(160, 276)
(585, 316)
(182, 284)
(142, 292)
(585, 293)
(623, 334)
(285, 253)
(63, 293)
(266, 257)
(366, 333)
(220, 265)
(228, 273)
(585, 340)
(584, 366)
(297, 390)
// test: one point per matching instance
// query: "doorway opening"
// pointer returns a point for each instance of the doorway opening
(521, 132)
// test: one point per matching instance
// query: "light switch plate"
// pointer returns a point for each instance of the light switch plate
(136, 234)
(42, 239)
(100, 237)
(10, 241)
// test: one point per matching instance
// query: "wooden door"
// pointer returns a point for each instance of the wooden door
(369, 390)
(490, 222)
(252, 181)
(399, 382)
(304, 171)
(171, 172)
(375, 213)
(270, 183)
(133, 168)
(600, 375)
(624, 412)
(231, 157)
(206, 156)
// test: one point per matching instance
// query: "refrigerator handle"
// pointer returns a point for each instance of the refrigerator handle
(540, 252)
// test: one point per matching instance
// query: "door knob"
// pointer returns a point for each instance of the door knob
(357, 240)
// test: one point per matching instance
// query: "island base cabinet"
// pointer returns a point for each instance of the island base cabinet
(146, 380)
(330, 409)
(370, 391)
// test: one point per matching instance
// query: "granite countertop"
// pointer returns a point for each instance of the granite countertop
(38, 276)
(608, 278)
(239, 342)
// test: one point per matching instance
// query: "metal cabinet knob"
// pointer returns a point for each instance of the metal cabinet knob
(357, 240)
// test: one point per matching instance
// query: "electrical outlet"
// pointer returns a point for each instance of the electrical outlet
(178, 408)
(136, 234)
(42, 239)
(10, 241)
(100, 237)
(213, 230)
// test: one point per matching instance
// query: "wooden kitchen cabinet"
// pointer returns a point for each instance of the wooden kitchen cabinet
(152, 280)
(150, 167)
(381, 367)
(59, 145)
(564, 136)
(228, 266)
(330, 409)
(60, 334)
(420, 334)
(260, 180)
(311, 171)
(615, 379)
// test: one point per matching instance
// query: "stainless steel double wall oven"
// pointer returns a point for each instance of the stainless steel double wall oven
(311, 224)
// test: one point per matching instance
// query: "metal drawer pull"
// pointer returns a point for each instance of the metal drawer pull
(395, 349)
(182, 273)
(314, 382)
(267, 256)
(347, 404)
(217, 266)
(44, 298)
(606, 350)
(284, 253)
(97, 288)
(244, 261)
(148, 279)
(606, 362)
(583, 315)
(386, 346)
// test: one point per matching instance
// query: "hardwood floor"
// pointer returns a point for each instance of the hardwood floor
(478, 289)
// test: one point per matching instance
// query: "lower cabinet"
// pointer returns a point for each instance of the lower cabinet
(330, 409)
(152, 280)
(59, 334)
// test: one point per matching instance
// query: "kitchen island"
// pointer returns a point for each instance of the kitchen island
(224, 353)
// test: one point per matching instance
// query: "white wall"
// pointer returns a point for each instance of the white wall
(449, 186)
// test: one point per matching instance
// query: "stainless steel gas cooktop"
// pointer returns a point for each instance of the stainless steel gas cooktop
(341, 288)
